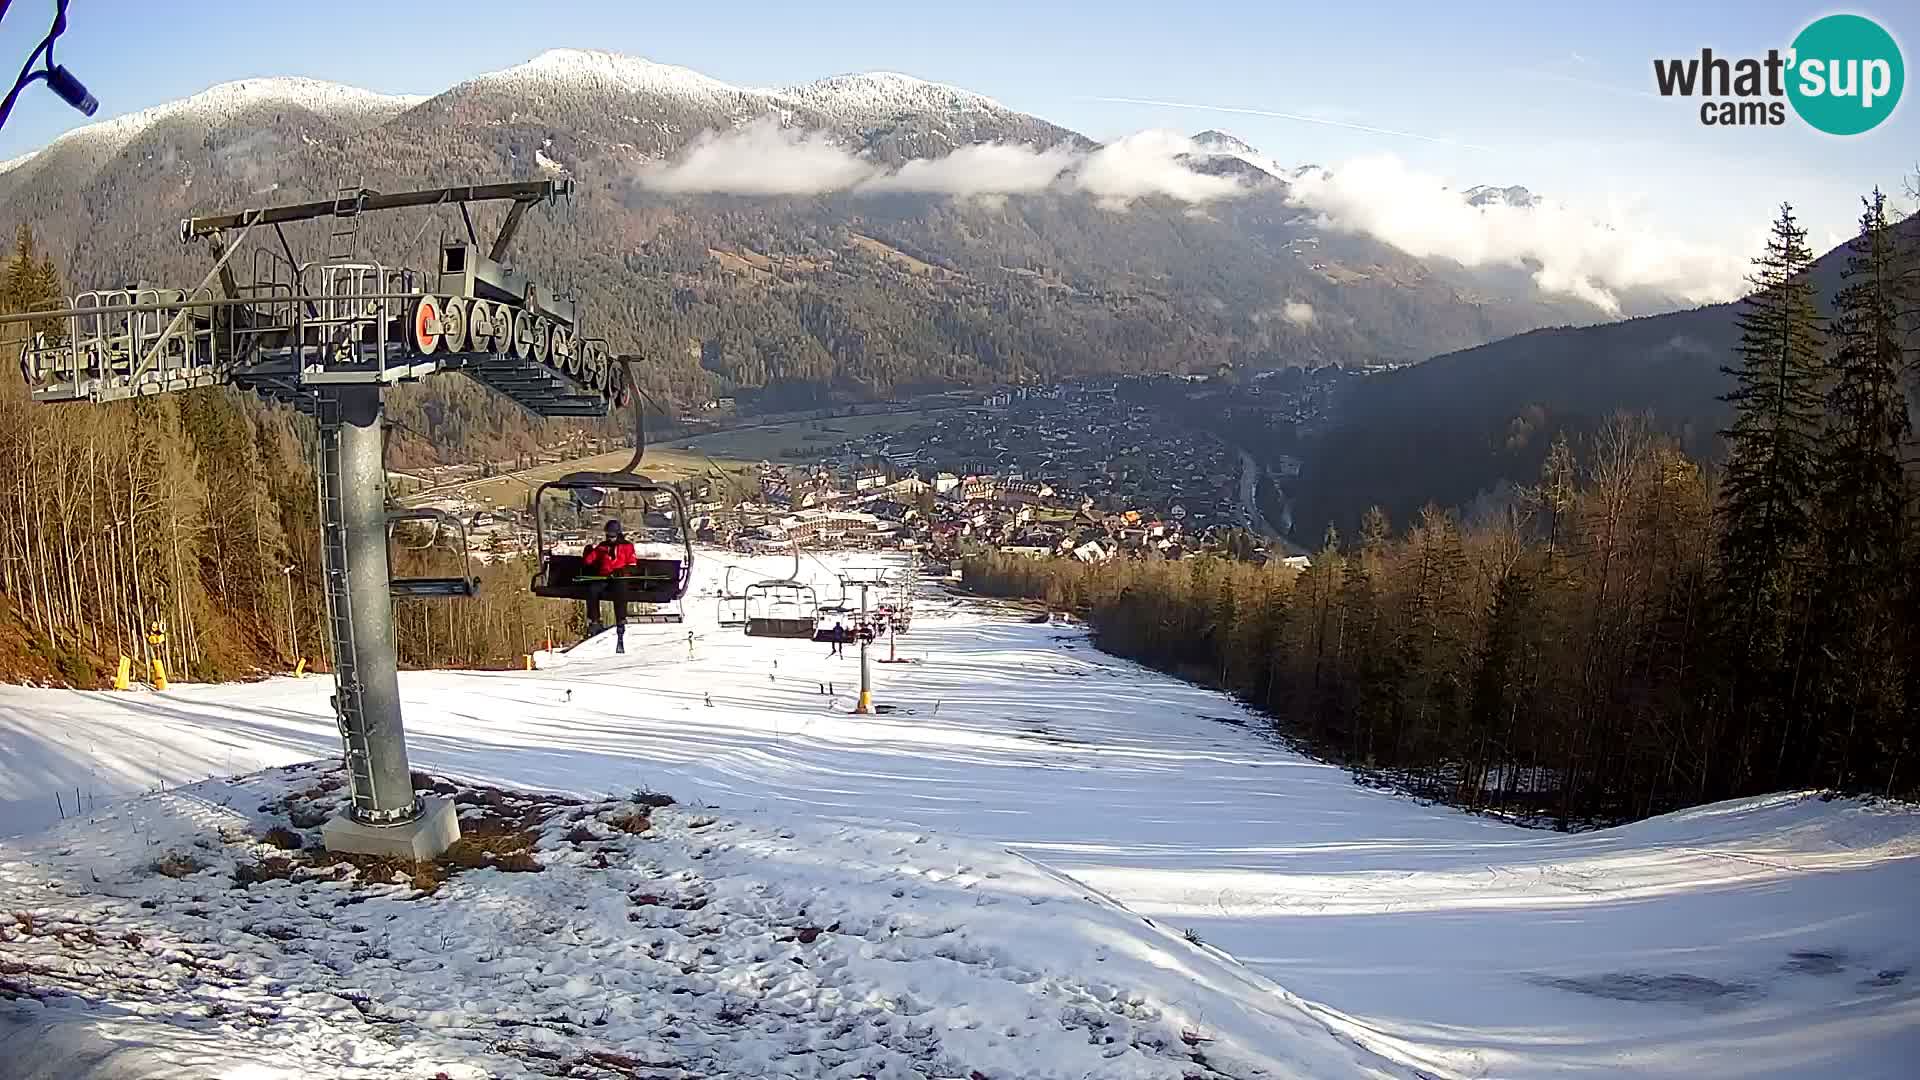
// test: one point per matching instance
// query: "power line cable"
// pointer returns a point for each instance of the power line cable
(58, 79)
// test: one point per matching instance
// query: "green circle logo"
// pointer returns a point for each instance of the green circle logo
(1846, 75)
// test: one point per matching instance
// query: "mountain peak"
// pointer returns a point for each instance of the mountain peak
(600, 69)
(1220, 154)
(1488, 195)
(1219, 142)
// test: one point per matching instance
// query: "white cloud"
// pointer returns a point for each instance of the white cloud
(979, 169)
(1148, 163)
(1298, 312)
(764, 158)
(761, 158)
(1571, 252)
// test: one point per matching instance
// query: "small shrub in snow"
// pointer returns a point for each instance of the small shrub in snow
(634, 822)
(1192, 936)
(518, 862)
(273, 869)
(652, 799)
(178, 865)
(284, 838)
(500, 851)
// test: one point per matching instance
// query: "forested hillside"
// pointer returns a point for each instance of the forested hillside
(1632, 632)
(1482, 420)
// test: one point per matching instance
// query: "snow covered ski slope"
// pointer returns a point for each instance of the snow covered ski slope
(1299, 925)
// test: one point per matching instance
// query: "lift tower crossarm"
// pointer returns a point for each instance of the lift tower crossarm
(523, 194)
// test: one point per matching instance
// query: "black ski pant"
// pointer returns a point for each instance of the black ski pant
(597, 592)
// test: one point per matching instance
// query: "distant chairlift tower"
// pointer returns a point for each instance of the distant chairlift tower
(328, 338)
(865, 578)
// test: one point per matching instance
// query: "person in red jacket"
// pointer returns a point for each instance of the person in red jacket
(605, 561)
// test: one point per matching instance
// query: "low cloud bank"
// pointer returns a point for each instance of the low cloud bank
(1570, 251)
(765, 159)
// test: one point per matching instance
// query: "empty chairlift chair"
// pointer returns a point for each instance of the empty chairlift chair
(731, 605)
(780, 609)
(837, 613)
(462, 585)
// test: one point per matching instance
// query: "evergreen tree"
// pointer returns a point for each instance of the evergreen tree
(1862, 506)
(1766, 497)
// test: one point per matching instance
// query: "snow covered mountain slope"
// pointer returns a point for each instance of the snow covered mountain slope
(595, 70)
(219, 105)
(867, 96)
(1769, 937)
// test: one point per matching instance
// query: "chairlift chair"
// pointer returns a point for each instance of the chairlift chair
(437, 587)
(657, 507)
(656, 614)
(780, 609)
(562, 574)
(732, 605)
(838, 611)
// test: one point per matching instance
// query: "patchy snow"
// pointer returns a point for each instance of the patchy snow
(1767, 937)
(680, 942)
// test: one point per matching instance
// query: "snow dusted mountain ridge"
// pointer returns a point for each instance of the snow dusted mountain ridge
(883, 93)
(591, 70)
(851, 98)
(1218, 144)
(220, 104)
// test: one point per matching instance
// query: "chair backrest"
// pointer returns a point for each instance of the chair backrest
(562, 569)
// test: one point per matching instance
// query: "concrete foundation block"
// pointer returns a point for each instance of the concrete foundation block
(421, 839)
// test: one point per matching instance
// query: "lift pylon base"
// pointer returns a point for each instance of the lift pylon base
(422, 839)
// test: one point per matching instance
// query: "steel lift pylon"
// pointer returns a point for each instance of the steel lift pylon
(864, 579)
(328, 338)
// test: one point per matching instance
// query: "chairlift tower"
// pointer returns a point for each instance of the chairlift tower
(328, 337)
(865, 578)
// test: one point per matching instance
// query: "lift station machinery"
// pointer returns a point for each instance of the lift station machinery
(327, 337)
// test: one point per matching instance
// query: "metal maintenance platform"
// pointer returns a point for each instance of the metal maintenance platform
(290, 329)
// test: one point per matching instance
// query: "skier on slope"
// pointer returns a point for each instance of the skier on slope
(839, 639)
(605, 561)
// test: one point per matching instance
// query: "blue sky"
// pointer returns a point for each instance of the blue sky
(1552, 96)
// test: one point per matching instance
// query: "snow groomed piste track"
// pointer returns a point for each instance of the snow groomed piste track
(1046, 863)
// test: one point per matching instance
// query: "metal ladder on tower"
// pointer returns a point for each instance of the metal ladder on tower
(347, 204)
(348, 701)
